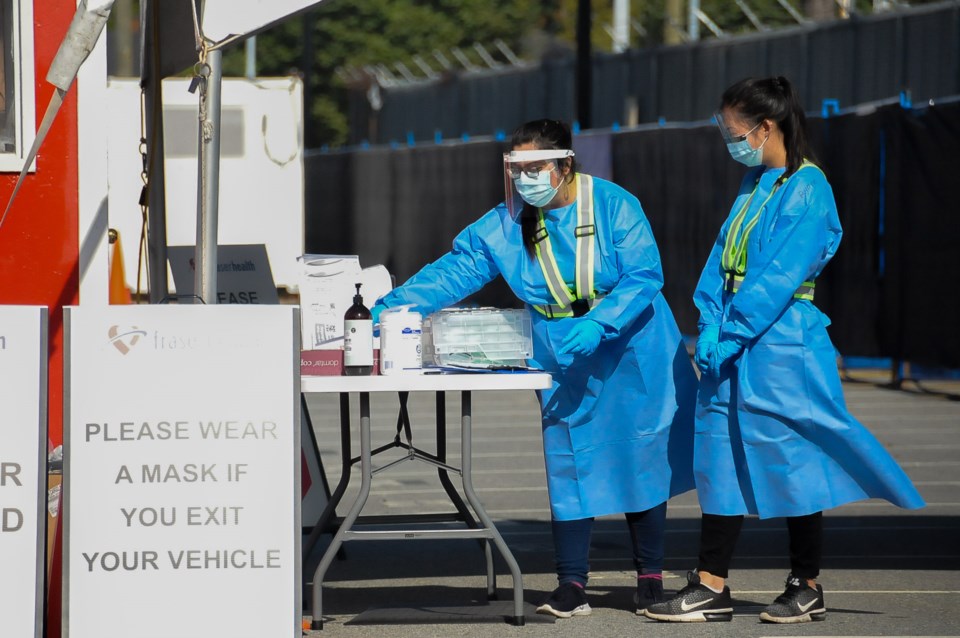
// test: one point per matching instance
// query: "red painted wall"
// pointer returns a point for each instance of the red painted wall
(39, 247)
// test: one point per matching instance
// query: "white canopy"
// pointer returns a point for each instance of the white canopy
(226, 20)
(182, 23)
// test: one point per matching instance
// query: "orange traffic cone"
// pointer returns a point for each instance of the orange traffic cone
(118, 286)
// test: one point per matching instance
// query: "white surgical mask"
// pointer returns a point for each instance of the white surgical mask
(536, 191)
(742, 152)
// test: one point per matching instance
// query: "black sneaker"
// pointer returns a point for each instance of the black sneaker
(565, 601)
(649, 591)
(694, 603)
(798, 603)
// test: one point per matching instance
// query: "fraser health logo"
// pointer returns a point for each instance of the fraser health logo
(125, 341)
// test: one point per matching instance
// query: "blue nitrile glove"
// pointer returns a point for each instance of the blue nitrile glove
(375, 312)
(583, 338)
(706, 342)
(727, 349)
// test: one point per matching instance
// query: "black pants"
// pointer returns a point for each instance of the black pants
(718, 537)
(571, 541)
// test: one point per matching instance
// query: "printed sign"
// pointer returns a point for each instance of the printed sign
(23, 481)
(182, 472)
(243, 273)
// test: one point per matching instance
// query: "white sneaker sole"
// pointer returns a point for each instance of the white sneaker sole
(813, 615)
(582, 610)
(710, 615)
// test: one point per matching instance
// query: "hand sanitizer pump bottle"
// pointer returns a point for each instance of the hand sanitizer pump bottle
(357, 339)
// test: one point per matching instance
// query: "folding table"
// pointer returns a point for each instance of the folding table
(404, 384)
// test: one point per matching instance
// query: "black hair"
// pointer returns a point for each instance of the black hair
(545, 135)
(773, 98)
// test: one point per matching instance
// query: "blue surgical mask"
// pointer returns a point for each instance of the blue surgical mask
(536, 191)
(744, 153)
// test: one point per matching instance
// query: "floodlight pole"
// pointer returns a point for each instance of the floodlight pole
(208, 179)
(693, 21)
(250, 48)
(621, 25)
(584, 64)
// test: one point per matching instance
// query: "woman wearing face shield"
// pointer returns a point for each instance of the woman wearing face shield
(773, 435)
(617, 422)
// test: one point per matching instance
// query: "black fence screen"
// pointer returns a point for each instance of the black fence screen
(863, 59)
(894, 171)
(921, 216)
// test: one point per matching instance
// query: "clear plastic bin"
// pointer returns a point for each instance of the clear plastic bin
(477, 337)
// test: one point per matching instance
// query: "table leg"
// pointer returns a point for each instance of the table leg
(467, 468)
(454, 496)
(345, 466)
(366, 475)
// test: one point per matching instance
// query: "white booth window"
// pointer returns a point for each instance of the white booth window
(17, 111)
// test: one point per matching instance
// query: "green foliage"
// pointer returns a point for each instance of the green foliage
(353, 33)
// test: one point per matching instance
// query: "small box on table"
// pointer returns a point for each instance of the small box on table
(477, 337)
(324, 363)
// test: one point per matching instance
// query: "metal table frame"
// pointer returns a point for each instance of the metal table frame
(483, 530)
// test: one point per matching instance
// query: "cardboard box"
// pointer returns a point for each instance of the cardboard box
(327, 287)
(326, 291)
(314, 363)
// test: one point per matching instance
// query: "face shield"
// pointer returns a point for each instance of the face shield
(738, 146)
(529, 176)
(728, 137)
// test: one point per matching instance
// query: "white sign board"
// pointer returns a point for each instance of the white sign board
(23, 481)
(261, 168)
(243, 273)
(182, 472)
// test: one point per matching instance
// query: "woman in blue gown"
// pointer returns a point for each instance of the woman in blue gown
(773, 434)
(617, 422)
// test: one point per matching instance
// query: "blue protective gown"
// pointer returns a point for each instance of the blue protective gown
(773, 434)
(617, 425)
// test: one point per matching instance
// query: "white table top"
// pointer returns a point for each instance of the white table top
(427, 382)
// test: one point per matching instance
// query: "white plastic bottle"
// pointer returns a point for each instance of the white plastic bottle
(400, 348)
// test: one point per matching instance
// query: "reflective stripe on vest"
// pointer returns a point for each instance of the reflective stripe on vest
(584, 276)
(734, 258)
(554, 311)
(732, 284)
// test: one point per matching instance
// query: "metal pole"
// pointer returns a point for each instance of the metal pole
(693, 21)
(621, 25)
(156, 200)
(584, 64)
(251, 51)
(208, 180)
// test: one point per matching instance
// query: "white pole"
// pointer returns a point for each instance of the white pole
(251, 51)
(621, 25)
(693, 21)
(208, 184)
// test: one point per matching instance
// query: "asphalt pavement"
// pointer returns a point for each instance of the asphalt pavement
(886, 571)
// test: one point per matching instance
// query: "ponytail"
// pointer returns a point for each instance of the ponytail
(528, 228)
